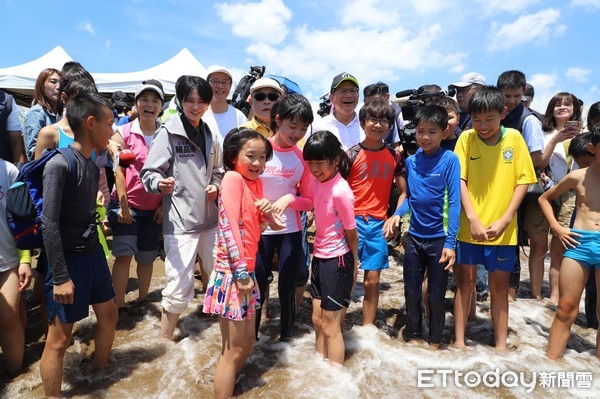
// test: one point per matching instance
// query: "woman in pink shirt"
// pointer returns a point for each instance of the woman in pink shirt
(232, 291)
(335, 264)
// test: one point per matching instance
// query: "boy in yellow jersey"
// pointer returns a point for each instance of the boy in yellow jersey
(495, 171)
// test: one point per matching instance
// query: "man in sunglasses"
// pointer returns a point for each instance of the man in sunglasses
(263, 93)
(343, 120)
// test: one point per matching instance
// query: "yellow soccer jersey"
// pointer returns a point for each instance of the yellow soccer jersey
(492, 172)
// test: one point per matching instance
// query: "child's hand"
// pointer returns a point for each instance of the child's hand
(391, 226)
(566, 236)
(281, 204)
(496, 229)
(478, 232)
(449, 257)
(24, 276)
(244, 286)
(275, 223)
(264, 206)
(64, 293)
(211, 192)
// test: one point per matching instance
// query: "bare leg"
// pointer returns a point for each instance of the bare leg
(573, 277)
(556, 256)
(238, 338)
(168, 322)
(51, 363)
(465, 280)
(107, 315)
(371, 300)
(144, 273)
(120, 276)
(538, 245)
(499, 306)
(318, 326)
(12, 333)
(332, 333)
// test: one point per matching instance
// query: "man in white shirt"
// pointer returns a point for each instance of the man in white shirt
(343, 121)
(220, 116)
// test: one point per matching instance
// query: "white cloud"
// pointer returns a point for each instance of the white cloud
(265, 21)
(86, 26)
(538, 28)
(579, 75)
(589, 4)
(545, 87)
(491, 7)
(367, 13)
(426, 7)
(107, 45)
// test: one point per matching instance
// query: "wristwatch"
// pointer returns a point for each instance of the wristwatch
(242, 275)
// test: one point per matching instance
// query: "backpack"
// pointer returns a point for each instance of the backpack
(6, 101)
(24, 199)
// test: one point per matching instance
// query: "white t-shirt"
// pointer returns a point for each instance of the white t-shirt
(221, 124)
(349, 135)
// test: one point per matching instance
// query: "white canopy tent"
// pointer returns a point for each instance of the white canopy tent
(183, 63)
(20, 79)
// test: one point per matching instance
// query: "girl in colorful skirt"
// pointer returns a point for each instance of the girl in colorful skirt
(232, 291)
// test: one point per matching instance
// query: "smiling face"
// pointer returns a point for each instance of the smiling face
(290, 131)
(323, 170)
(375, 129)
(251, 159)
(563, 110)
(194, 107)
(345, 98)
(221, 85)
(148, 104)
(429, 137)
(487, 125)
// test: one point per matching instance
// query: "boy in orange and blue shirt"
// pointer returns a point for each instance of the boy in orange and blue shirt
(495, 171)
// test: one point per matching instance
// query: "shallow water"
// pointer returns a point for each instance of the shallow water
(379, 364)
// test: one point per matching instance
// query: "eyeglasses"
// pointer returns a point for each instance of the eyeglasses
(345, 92)
(216, 82)
(260, 96)
(382, 122)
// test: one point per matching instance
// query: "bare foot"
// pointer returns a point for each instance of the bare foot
(512, 294)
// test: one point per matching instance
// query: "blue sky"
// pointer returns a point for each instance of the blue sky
(403, 43)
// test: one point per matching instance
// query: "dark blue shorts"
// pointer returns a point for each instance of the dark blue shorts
(93, 284)
(139, 238)
(493, 257)
(331, 281)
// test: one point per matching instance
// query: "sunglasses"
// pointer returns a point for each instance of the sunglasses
(261, 96)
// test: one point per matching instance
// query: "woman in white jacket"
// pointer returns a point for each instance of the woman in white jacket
(185, 165)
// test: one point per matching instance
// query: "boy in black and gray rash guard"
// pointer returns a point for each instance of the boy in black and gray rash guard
(78, 275)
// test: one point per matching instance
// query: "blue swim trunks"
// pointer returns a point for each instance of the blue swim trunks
(588, 251)
(372, 246)
(493, 257)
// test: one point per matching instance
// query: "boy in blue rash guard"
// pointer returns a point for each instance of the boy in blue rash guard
(433, 196)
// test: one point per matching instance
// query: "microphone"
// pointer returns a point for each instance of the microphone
(126, 158)
(405, 93)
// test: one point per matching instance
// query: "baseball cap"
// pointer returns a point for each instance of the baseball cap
(343, 77)
(469, 79)
(153, 85)
(120, 99)
(218, 68)
(266, 83)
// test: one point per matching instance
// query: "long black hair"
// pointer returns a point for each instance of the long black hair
(325, 146)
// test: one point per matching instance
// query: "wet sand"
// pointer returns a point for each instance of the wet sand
(379, 363)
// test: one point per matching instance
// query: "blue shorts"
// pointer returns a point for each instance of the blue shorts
(372, 246)
(493, 257)
(588, 251)
(139, 238)
(331, 281)
(93, 284)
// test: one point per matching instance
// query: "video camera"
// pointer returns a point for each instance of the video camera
(324, 105)
(242, 90)
(416, 99)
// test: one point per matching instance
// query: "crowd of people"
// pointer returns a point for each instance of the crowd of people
(480, 177)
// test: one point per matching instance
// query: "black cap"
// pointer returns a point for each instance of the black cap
(120, 99)
(342, 77)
